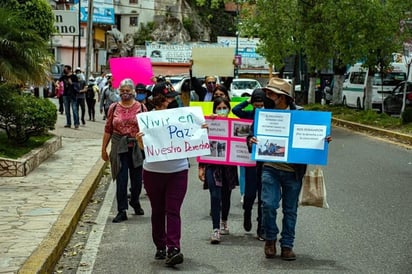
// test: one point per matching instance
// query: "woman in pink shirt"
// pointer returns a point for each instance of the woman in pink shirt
(126, 158)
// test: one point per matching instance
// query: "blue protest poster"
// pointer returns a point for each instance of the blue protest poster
(291, 136)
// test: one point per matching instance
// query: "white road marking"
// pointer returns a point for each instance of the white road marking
(93, 242)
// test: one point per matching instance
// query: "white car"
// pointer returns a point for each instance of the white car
(243, 87)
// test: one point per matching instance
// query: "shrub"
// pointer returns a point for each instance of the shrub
(22, 116)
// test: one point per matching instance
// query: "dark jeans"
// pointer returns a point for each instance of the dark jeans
(71, 102)
(91, 108)
(253, 186)
(219, 198)
(61, 108)
(127, 170)
(81, 103)
(166, 192)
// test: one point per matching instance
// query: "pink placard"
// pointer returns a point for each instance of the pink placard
(139, 69)
(227, 138)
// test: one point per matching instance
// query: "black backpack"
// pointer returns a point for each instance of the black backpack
(90, 92)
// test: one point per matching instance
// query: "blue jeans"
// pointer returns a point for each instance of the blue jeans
(126, 170)
(219, 198)
(69, 101)
(277, 185)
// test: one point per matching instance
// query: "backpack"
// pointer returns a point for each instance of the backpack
(90, 92)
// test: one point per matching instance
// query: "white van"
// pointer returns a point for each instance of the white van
(354, 87)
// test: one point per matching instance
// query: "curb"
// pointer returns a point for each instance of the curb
(47, 254)
(405, 138)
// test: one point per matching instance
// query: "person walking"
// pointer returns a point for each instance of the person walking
(166, 185)
(109, 96)
(253, 183)
(81, 96)
(280, 181)
(71, 89)
(92, 92)
(126, 158)
(221, 180)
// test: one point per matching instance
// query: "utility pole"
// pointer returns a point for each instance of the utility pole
(89, 48)
(79, 45)
(236, 72)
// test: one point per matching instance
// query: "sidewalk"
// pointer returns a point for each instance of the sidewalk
(40, 211)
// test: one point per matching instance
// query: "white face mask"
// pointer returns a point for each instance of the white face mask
(222, 112)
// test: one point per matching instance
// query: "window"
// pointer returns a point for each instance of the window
(133, 1)
(133, 21)
(358, 77)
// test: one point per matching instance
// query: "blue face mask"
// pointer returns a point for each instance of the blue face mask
(222, 112)
(140, 97)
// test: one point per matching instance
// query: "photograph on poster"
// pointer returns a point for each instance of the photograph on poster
(218, 149)
(240, 129)
(273, 148)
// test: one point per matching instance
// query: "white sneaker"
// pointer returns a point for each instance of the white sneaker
(242, 199)
(224, 229)
(215, 239)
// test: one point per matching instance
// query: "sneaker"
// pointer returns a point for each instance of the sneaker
(287, 254)
(270, 249)
(174, 257)
(224, 229)
(120, 217)
(247, 222)
(215, 239)
(160, 254)
(67, 126)
(76, 127)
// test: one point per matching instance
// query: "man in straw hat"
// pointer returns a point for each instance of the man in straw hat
(280, 181)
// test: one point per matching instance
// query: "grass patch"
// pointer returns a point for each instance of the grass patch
(369, 117)
(13, 151)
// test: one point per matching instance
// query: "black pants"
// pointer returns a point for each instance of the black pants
(80, 102)
(61, 108)
(253, 186)
(90, 108)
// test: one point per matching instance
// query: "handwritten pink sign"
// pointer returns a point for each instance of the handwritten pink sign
(139, 69)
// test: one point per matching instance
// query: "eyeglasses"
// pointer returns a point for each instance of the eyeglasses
(211, 83)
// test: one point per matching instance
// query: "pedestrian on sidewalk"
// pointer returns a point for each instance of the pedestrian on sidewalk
(81, 96)
(253, 182)
(166, 185)
(126, 158)
(92, 92)
(109, 96)
(71, 88)
(220, 179)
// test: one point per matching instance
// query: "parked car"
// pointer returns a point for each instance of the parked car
(243, 87)
(393, 102)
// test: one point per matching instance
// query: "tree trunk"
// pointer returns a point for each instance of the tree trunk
(337, 89)
(368, 92)
(312, 90)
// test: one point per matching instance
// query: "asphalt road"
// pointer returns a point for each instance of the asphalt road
(367, 228)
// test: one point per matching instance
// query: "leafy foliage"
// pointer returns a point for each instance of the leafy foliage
(24, 54)
(34, 14)
(143, 34)
(22, 116)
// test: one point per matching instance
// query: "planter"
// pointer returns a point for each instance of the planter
(24, 165)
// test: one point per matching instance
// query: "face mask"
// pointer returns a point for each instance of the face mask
(140, 97)
(173, 104)
(126, 96)
(222, 112)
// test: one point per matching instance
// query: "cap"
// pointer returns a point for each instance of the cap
(166, 89)
(108, 75)
(78, 69)
(91, 78)
(258, 95)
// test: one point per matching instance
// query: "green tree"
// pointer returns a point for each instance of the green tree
(36, 14)
(24, 53)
